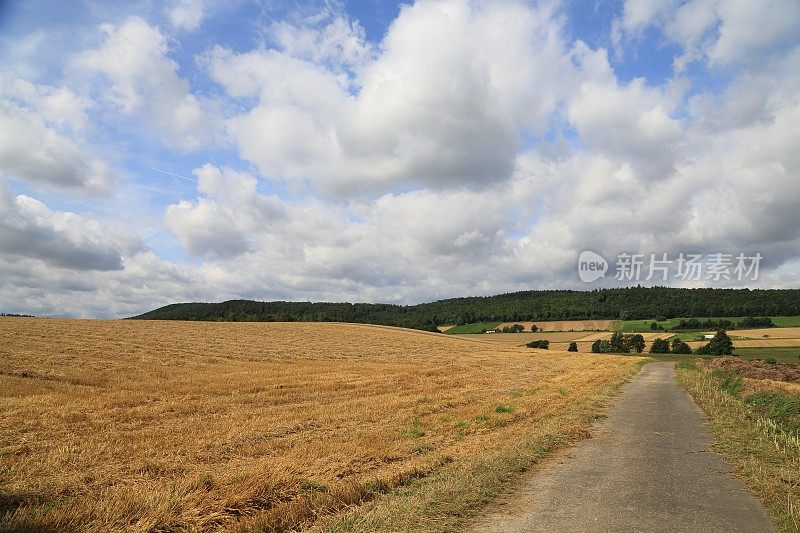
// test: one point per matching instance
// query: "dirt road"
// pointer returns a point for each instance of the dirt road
(647, 468)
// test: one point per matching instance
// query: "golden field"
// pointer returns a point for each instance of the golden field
(559, 340)
(564, 325)
(199, 426)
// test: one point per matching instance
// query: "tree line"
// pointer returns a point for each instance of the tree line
(630, 303)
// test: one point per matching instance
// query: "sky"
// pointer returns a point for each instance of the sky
(374, 151)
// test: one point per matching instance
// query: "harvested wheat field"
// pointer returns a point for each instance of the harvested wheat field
(771, 333)
(564, 325)
(195, 426)
(518, 339)
(754, 343)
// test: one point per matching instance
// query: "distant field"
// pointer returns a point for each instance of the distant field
(754, 343)
(518, 339)
(644, 325)
(471, 328)
(564, 325)
(205, 426)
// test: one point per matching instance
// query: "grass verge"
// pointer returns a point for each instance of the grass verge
(765, 452)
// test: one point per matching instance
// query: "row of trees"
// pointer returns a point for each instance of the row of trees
(720, 344)
(619, 343)
(749, 322)
(663, 346)
(622, 303)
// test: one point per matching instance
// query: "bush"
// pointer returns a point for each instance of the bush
(543, 344)
(573, 347)
(534, 328)
(659, 346)
(601, 346)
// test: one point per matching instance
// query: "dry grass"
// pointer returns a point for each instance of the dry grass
(565, 325)
(167, 426)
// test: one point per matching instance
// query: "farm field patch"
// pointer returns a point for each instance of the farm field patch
(563, 325)
(204, 426)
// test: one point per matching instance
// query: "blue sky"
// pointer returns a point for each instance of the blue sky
(376, 151)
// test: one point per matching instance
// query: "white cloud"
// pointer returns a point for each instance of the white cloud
(30, 150)
(186, 14)
(444, 104)
(29, 229)
(144, 82)
(227, 218)
(721, 31)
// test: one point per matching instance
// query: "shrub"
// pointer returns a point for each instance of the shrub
(573, 347)
(601, 346)
(543, 344)
(534, 328)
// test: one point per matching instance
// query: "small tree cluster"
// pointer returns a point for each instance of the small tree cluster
(543, 344)
(516, 328)
(619, 343)
(573, 347)
(534, 328)
(663, 346)
(721, 344)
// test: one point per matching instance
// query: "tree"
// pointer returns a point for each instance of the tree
(573, 347)
(617, 343)
(601, 346)
(680, 347)
(634, 342)
(534, 328)
(721, 344)
(659, 346)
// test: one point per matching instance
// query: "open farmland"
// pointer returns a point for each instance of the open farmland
(564, 325)
(145, 425)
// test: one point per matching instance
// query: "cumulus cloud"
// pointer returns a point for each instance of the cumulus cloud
(33, 151)
(29, 229)
(229, 215)
(444, 103)
(449, 158)
(719, 31)
(143, 81)
(186, 14)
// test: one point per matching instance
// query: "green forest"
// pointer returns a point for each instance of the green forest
(631, 303)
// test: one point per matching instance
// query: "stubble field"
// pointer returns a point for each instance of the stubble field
(190, 426)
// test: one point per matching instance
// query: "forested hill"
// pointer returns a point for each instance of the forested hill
(623, 303)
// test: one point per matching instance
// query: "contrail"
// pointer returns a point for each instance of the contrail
(176, 175)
